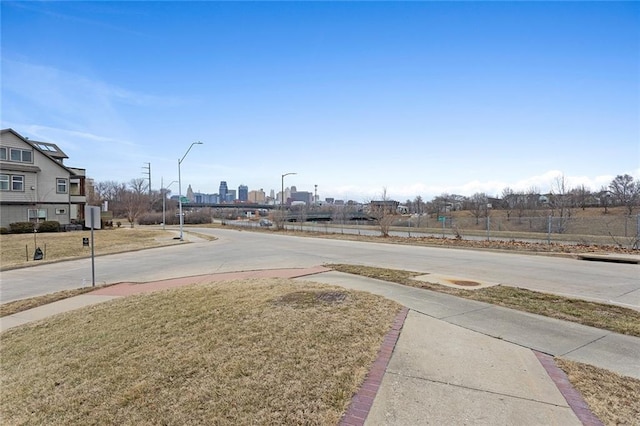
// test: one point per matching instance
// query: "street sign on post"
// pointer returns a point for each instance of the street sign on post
(92, 217)
(92, 220)
(443, 219)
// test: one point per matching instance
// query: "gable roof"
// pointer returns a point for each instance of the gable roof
(49, 150)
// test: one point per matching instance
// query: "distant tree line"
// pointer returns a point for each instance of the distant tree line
(129, 200)
(623, 191)
(133, 199)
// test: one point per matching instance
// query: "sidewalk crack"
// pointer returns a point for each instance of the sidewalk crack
(586, 344)
(477, 389)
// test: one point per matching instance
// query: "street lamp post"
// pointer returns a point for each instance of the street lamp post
(282, 197)
(180, 187)
(163, 191)
(282, 193)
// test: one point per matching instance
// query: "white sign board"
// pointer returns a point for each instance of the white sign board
(92, 217)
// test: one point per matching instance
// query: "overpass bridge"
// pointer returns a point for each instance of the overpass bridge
(292, 216)
(327, 217)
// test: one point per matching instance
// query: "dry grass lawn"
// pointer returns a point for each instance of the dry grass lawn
(611, 397)
(68, 245)
(609, 317)
(243, 352)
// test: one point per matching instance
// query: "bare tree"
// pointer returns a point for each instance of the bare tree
(443, 203)
(532, 198)
(418, 205)
(279, 217)
(383, 211)
(561, 201)
(508, 201)
(409, 205)
(580, 197)
(301, 211)
(625, 191)
(110, 190)
(135, 201)
(604, 197)
(479, 205)
(522, 203)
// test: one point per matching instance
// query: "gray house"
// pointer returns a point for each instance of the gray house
(35, 185)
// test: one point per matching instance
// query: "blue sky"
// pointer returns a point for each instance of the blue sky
(418, 98)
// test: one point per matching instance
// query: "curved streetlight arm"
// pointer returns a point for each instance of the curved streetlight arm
(185, 154)
(282, 189)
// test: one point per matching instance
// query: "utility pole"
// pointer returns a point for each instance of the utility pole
(147, 168)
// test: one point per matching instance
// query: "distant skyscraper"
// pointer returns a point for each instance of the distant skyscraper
(243, 193)
(190, 196)
(223, 191)
(257, 196)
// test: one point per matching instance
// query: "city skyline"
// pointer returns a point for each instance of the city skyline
(355, 97)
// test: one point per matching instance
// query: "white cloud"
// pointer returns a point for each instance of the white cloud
(543, 183)
(68, 100)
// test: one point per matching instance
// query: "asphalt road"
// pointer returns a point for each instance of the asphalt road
(240, 251)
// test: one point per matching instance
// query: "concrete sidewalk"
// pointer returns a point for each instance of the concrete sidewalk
(455, 361)
(442, 374)
(602, 348)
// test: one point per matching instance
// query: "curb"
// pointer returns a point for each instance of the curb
(570, 394)
(362, 401)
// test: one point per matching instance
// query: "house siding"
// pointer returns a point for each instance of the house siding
(40, 186)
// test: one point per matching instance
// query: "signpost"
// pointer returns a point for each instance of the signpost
(442, 219)
(92, 220)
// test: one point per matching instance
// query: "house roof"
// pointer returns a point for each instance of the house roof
(50, 150)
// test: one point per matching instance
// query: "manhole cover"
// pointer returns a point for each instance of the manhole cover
(465, 283)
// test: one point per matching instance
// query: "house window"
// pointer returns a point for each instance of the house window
(21, 155)
(4, 182)
(61, 211)
(37, 215)
(61, 186)
(3, 153)
(17, 183)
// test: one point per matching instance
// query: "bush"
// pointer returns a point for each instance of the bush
(4, 230)
(21, 227)
(197, 218)
(49, 226)
(155, 219)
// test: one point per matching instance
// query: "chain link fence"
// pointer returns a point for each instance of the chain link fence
(623, 231)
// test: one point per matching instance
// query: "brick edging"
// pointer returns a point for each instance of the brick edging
(362, 401)
(570, 394)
